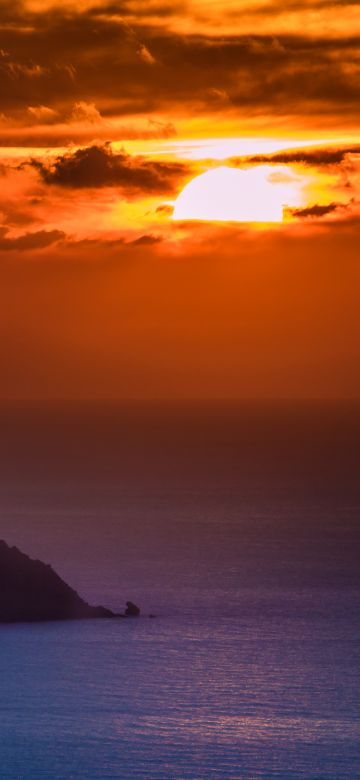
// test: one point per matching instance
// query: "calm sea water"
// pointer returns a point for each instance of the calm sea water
(238, 526)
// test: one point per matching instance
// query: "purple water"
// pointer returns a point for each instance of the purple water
(238, 526)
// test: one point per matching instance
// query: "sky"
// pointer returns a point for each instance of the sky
(179, 199)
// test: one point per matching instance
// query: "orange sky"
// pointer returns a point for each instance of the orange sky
(107, 110)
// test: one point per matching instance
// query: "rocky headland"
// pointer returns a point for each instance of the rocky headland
(31, 591)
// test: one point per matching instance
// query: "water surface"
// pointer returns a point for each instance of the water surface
(237, 525)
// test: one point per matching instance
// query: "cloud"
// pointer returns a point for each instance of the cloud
(145, 55)
(81, 57)
(218, 94)
(42, 114)
(318, 210)
(152, 10)
(162, 129)
(98, 166)
(81, 112)
(16, 70)
(277, 9)
(60, 129)
(30, 241)
(15, 213)
(146, 240)
(316, 157)
(165, 208)
(86, 112)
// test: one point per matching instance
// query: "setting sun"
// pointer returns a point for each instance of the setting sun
(227, 194)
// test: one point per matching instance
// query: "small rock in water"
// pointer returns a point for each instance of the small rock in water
(131, 609)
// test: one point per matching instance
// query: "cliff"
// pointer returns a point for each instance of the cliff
(31, 590)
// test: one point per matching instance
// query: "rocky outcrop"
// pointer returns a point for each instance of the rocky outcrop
(31, 590)
(131, 610)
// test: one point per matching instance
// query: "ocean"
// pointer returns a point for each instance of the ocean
(237, 526)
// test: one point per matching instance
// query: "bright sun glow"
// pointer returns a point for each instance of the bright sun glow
(238, 195)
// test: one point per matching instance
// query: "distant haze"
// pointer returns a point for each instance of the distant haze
(234, 315)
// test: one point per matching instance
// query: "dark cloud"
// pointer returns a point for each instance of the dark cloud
(318, 210)
(28, 241)
(64, 131)
(10, 12)
(277, 9)
(98, 166)
(157, 10)
(165, 208)
(15, 214)
(147, 240)
(316, 157)
(69, 57)
(120, 243)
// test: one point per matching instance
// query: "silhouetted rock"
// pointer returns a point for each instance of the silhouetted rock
(131, 610)
(31, 590)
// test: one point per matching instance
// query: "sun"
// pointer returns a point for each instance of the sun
(227, 194)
